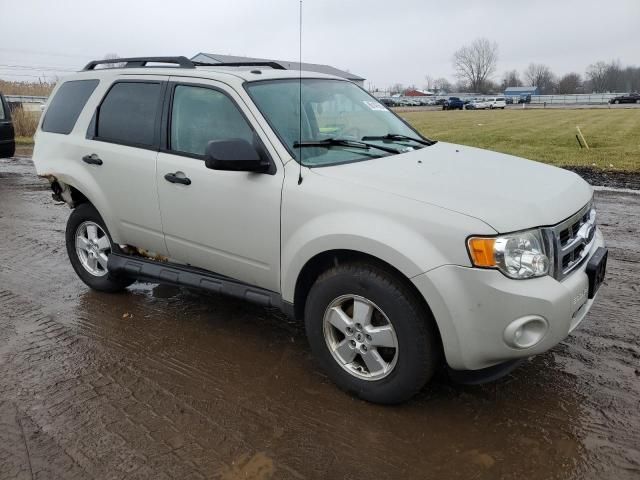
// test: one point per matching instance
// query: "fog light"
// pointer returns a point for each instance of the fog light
(526, 331)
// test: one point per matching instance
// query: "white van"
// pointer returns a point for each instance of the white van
(496, 102)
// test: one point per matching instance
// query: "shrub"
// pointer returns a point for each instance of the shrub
(25, 123)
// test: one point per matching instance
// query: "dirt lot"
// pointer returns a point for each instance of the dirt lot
(167, 383)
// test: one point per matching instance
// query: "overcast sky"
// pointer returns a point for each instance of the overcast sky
(384, 41)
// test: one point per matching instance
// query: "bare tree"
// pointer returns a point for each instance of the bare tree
(428, 82)
(510, 79)
(597, 75)
(541, 76)
(396, 88)
(569, 83)
(615, 77)
(476, 63)
(115, 63)
(441, 85)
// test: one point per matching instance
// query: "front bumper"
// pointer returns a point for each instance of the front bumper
(473, 307)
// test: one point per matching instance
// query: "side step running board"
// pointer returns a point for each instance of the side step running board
(186, 276)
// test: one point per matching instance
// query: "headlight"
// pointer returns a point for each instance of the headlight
(517, 255)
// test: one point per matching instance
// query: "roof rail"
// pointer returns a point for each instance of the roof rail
(274, 65)
(132, 62)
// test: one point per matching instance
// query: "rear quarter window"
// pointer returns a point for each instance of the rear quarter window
(66, 105)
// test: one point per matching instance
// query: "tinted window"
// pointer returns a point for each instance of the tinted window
(128, 113)
(66, 105)
(200, 115)
(1, 109)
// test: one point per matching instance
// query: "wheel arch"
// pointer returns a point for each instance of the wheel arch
(74, 193)
(322, 261)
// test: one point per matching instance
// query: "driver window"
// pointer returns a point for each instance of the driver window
(200, 115)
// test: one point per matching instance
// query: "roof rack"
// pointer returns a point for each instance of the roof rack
(180, 62)
(132, 62)
(274, 65)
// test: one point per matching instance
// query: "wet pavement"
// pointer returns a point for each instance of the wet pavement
(161, 382)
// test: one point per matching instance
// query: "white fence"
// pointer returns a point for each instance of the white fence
(580, 99)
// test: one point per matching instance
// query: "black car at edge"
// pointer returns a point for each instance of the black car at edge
(7, 134)
(630, 98)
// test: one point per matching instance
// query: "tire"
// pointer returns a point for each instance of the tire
(84, 220)
(408, 366)
(617, 102)
(637, 101)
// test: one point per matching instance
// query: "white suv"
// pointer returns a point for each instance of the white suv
(398, 252)
(495, 102)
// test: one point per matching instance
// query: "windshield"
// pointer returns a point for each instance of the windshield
(331, 110)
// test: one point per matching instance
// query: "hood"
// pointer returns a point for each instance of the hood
(508, 193)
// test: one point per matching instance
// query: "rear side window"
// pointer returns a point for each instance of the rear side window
(129, 112)
(1, 109)
(66, 105)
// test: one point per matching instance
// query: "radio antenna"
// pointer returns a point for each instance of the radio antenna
(300, 150)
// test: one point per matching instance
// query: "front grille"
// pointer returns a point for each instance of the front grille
(570, 241)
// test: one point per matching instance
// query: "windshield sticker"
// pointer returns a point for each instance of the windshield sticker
(374, 105)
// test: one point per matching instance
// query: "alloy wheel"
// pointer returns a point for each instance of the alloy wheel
(360, 337)
(93, 247)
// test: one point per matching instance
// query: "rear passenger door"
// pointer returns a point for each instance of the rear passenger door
(7, 142)
(120, 151)
(224, 221)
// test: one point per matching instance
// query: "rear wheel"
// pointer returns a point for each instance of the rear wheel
(617, 102)
(370, 333)
(637, 101)
(89, 246)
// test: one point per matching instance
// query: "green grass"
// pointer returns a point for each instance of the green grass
(545, 135)
(24, 140)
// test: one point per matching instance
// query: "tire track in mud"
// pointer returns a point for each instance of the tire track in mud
(195, 386)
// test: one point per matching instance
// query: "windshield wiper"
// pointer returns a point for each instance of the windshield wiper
(398, 136)
(343, 142)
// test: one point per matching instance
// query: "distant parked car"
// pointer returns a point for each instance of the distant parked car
(389, 102)
(7, 134)
(477, 104)
(496, 102)
(524, 99)
(427, 101)
(508, 100)
(453, 103)
(441, 101)
(630, 98)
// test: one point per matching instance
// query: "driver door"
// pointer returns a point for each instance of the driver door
(223, 221)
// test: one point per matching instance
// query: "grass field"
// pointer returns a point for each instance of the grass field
(545, 135)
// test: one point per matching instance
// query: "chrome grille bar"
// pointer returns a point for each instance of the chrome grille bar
(570, 241)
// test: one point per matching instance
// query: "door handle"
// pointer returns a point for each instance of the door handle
(176, 178)
(92, 159)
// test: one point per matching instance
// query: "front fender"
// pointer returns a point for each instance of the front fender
(392, 242)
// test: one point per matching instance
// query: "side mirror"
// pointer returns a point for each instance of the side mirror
(235, 155)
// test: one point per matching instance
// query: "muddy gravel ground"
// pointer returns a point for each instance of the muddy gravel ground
(162, 382)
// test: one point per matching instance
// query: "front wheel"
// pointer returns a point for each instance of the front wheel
(370, 333)
(89, 246)
(617, 102)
